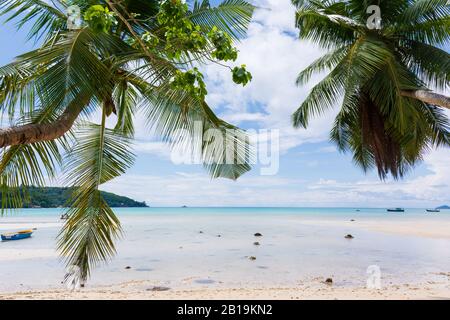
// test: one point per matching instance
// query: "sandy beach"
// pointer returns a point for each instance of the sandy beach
(175, 255)
(141, 290)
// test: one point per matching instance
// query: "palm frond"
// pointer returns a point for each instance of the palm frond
(100, 155)
(424, 10)
(17, 89)
(231, 16)
(322, 97)
(435, 32)
(126, 100)
(188, 124)
(327, 30)
(346, 77)
(380, 126)
(326, 62)
(430, 64)
(57, 74)
(47, 19)
(23, 166)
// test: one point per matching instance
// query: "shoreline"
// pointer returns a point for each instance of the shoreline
(144, 290)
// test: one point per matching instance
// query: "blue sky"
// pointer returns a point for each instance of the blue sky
(311, 171)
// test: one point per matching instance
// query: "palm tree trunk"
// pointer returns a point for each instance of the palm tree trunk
(36, 132)
(428, 97)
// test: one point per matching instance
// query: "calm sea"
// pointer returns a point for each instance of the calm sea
(198, 247)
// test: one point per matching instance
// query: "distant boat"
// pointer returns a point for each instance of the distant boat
(433, 210)
(396, 210)
(64, 216)
(23, 234)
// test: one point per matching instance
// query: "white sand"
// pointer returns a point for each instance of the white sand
(141, 290)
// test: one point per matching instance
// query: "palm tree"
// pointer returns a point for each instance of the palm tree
(121, 62)
(389, 116)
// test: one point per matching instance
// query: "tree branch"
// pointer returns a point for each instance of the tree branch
(428, 97)
(36, 132)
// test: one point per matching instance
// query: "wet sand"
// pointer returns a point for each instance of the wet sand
(142, 290)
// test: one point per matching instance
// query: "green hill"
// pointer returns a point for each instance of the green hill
(54, 197)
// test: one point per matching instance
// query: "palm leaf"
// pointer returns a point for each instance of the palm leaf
(430, 64)
(46, 18)
(186, 123)
(99, 155)
(231, 16)
(23, 166)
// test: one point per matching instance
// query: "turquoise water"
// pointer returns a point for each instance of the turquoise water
(366, 212)
(165, 246)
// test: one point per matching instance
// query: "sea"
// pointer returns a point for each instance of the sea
(215, 247)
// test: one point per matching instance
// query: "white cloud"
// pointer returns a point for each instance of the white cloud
(329, 149)
(158, 148)
(275, 57)
(431, 189)
(199, 190)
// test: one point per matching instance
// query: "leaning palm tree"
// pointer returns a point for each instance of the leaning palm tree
(112, 57)
(383, 68)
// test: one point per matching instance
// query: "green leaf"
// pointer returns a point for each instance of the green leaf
(230, 16)
(99, 156)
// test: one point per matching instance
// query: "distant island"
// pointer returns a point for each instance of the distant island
(55, 197)
(443, 207)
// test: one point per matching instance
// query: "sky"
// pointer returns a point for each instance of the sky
(311, 172)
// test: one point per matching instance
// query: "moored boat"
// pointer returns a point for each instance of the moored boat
(23, 234)
(433, 210)
(396, 210)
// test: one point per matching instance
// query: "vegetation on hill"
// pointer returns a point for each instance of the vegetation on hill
(54, 197)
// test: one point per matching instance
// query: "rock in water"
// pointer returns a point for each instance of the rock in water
(127, 267)
(329, 281)
(349, 236)
(258, 234)
(158, 289)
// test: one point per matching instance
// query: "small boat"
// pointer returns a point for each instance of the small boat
(433, 210)
(64, 216)
(23, 234)
(396, 210)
